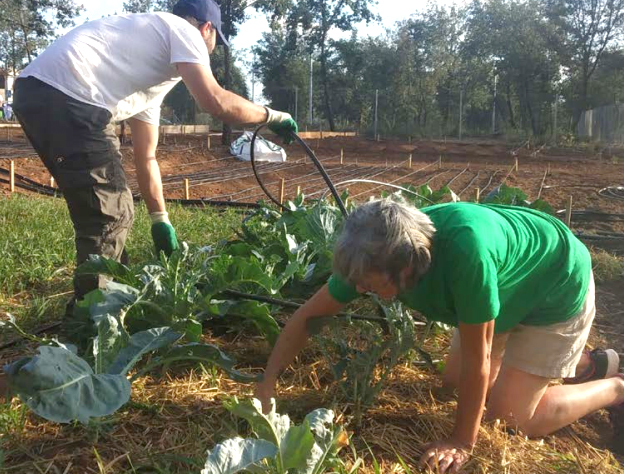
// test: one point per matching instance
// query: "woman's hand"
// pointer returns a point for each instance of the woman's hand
(445, 456)
(265, 391)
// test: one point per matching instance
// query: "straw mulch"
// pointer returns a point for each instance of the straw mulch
(173, 418)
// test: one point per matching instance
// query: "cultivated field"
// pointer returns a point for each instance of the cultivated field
(173, 417)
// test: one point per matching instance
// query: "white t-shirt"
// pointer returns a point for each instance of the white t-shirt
(123, 63)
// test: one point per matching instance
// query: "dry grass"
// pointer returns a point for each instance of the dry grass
(174, 417)
(607, 266)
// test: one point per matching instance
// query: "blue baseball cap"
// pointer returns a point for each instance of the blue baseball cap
(202, 11)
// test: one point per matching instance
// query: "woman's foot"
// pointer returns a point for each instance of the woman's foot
(596, 365)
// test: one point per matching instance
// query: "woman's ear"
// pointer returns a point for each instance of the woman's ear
(405, 276)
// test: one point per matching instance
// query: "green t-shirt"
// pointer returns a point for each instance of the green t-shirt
(512, 264)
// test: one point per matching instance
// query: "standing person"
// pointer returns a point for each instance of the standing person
(120, 68)
(7, 111)
(515, 282)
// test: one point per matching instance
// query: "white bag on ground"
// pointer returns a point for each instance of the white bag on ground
(264, 149)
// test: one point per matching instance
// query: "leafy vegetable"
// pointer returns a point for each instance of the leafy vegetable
(361, 365)
(281, 447)
(237, 454)
(60, 386)
(511, 196)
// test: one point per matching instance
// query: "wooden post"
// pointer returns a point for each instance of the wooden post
(282, 186)
(548, 170)
(409, 161)
(440, 163)
(409, 139)
(342, 156)
(298, 190)
(187, 195)
(377, 137)
(516, 164)
(477, 194)
(12, 176)
(52, 183)
(164, 138)
(568, 214)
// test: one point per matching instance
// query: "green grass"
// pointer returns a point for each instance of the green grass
(37, 253)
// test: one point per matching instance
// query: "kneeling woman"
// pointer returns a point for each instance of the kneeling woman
(515, 282)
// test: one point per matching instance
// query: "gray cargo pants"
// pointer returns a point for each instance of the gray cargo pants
(78, 145)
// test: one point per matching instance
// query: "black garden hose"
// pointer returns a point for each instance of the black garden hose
(314, 159)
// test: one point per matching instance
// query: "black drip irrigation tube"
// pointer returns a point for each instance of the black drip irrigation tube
(314, 159)
(291, 304)
(30, 185)
(612, 192)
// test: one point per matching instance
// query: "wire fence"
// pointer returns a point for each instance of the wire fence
(603, 124)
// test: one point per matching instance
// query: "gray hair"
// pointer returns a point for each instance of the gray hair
(384, 236)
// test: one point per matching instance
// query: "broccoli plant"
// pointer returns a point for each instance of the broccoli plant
(59, 385)
(362, 364)
(511, 196)
(280, 447)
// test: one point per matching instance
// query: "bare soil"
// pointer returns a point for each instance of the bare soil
(553, 174)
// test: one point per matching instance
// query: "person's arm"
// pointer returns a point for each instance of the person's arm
(292, 339)
(476, 347)
(218, 102)
(145, 141)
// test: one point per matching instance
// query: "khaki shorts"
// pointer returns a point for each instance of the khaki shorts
(551, 351)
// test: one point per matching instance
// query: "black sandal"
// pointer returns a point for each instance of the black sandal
(603, 364)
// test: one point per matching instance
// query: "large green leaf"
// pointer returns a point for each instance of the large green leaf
(296, 446)
(206, 353)
(115, 297)
(237, 454)
(227, 271)
(111, 338)
(320, 422)
(541, 205)
(60, 386)
(140, 344)
(260, 316)
(271, 427)
(329, 439)
(504, 194)
(96, 265)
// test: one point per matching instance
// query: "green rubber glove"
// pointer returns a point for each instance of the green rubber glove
(282, 124)
(163, 234)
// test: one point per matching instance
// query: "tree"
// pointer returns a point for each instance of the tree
(282, 66)
(144, 6)
(512, 38)
(583, 30)
(316, 19)
(607, 85)
(28, 26)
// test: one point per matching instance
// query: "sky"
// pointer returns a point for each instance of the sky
(250, 32)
